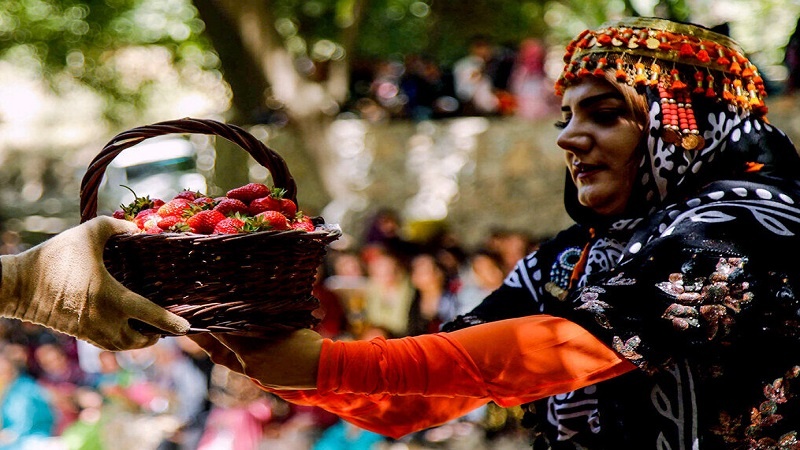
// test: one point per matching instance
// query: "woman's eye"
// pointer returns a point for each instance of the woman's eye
(607, 116)
(566, 116)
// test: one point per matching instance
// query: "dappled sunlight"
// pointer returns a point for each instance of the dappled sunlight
(34, 119)
(352, 161)
(437, 155)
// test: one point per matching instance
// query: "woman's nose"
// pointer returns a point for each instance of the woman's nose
(573, 139)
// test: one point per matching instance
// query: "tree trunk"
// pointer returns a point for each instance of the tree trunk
(254, 61)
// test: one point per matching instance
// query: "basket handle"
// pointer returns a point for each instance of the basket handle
(260, 152)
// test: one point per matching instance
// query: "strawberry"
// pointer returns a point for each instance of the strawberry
(137, 205)
(229, 225)
(153, 230)
(175, 207)
(272, 220)
(268, 203)
(304, 223)
(204, 202)
(119, 214)
(228, 206)
(144, 219)
(288, 207)
(188, 195)
(172, 223)
(249, 192)
(204, 221)
(147, 219)
(275, 202)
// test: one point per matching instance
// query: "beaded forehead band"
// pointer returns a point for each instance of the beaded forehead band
(681, 61)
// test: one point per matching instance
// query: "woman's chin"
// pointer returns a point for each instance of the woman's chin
(604, 205)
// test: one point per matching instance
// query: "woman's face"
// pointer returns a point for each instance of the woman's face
(599, 138)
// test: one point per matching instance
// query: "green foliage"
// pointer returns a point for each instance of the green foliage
(394, 28)
(441, 28)
(67, 41)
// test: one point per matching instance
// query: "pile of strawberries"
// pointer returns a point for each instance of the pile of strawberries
(246, 209)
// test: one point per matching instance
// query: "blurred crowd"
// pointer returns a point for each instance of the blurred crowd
(63, 394)
(490, 80)
(508, 79)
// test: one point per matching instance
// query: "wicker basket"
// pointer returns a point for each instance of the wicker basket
(255, 283)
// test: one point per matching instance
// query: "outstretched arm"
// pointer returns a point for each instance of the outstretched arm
(397, 386)
(63, 284)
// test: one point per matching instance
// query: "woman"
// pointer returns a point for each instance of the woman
(433, 302)
(662, 319)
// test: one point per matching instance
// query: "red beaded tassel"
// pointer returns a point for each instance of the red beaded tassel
(640, 78)
(670, 129)
(620, 74)
(698, 79)
(690, 135)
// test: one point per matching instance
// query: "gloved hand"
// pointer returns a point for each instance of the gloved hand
(63, 284)
(289, 363)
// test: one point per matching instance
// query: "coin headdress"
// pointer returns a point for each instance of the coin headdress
(683, 62)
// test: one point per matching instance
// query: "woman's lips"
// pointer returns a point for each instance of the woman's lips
(583, 170)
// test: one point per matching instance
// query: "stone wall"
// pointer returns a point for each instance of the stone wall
(472, 174)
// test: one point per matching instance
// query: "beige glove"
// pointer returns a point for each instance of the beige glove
(63, 284)
(289, 363)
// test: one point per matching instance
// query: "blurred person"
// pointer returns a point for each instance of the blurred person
(446, 246)
(239, 413)
(529, 84)
(433, 303)
(56, 366)
(61, 377)
(474, 87)
(501, 64)
(182, 389)
(347, 270)
(201, 361)
(483, 274)
(26, 417)
(499, 70)
(11, 243)
(346, 436)
(388, 293)
(511, 245)
(63, 284)
(348, 280)
(791, 60)
(112, 379)
(85, 433)
(385, 230)
(385, 87)
(331, 313)
(428, 89)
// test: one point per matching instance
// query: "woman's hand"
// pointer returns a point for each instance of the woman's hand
(63, 284)
(287, 363)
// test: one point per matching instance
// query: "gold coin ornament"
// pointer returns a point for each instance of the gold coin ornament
(690, 142)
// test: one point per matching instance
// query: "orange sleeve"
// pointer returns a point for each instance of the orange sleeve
(386, 385)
